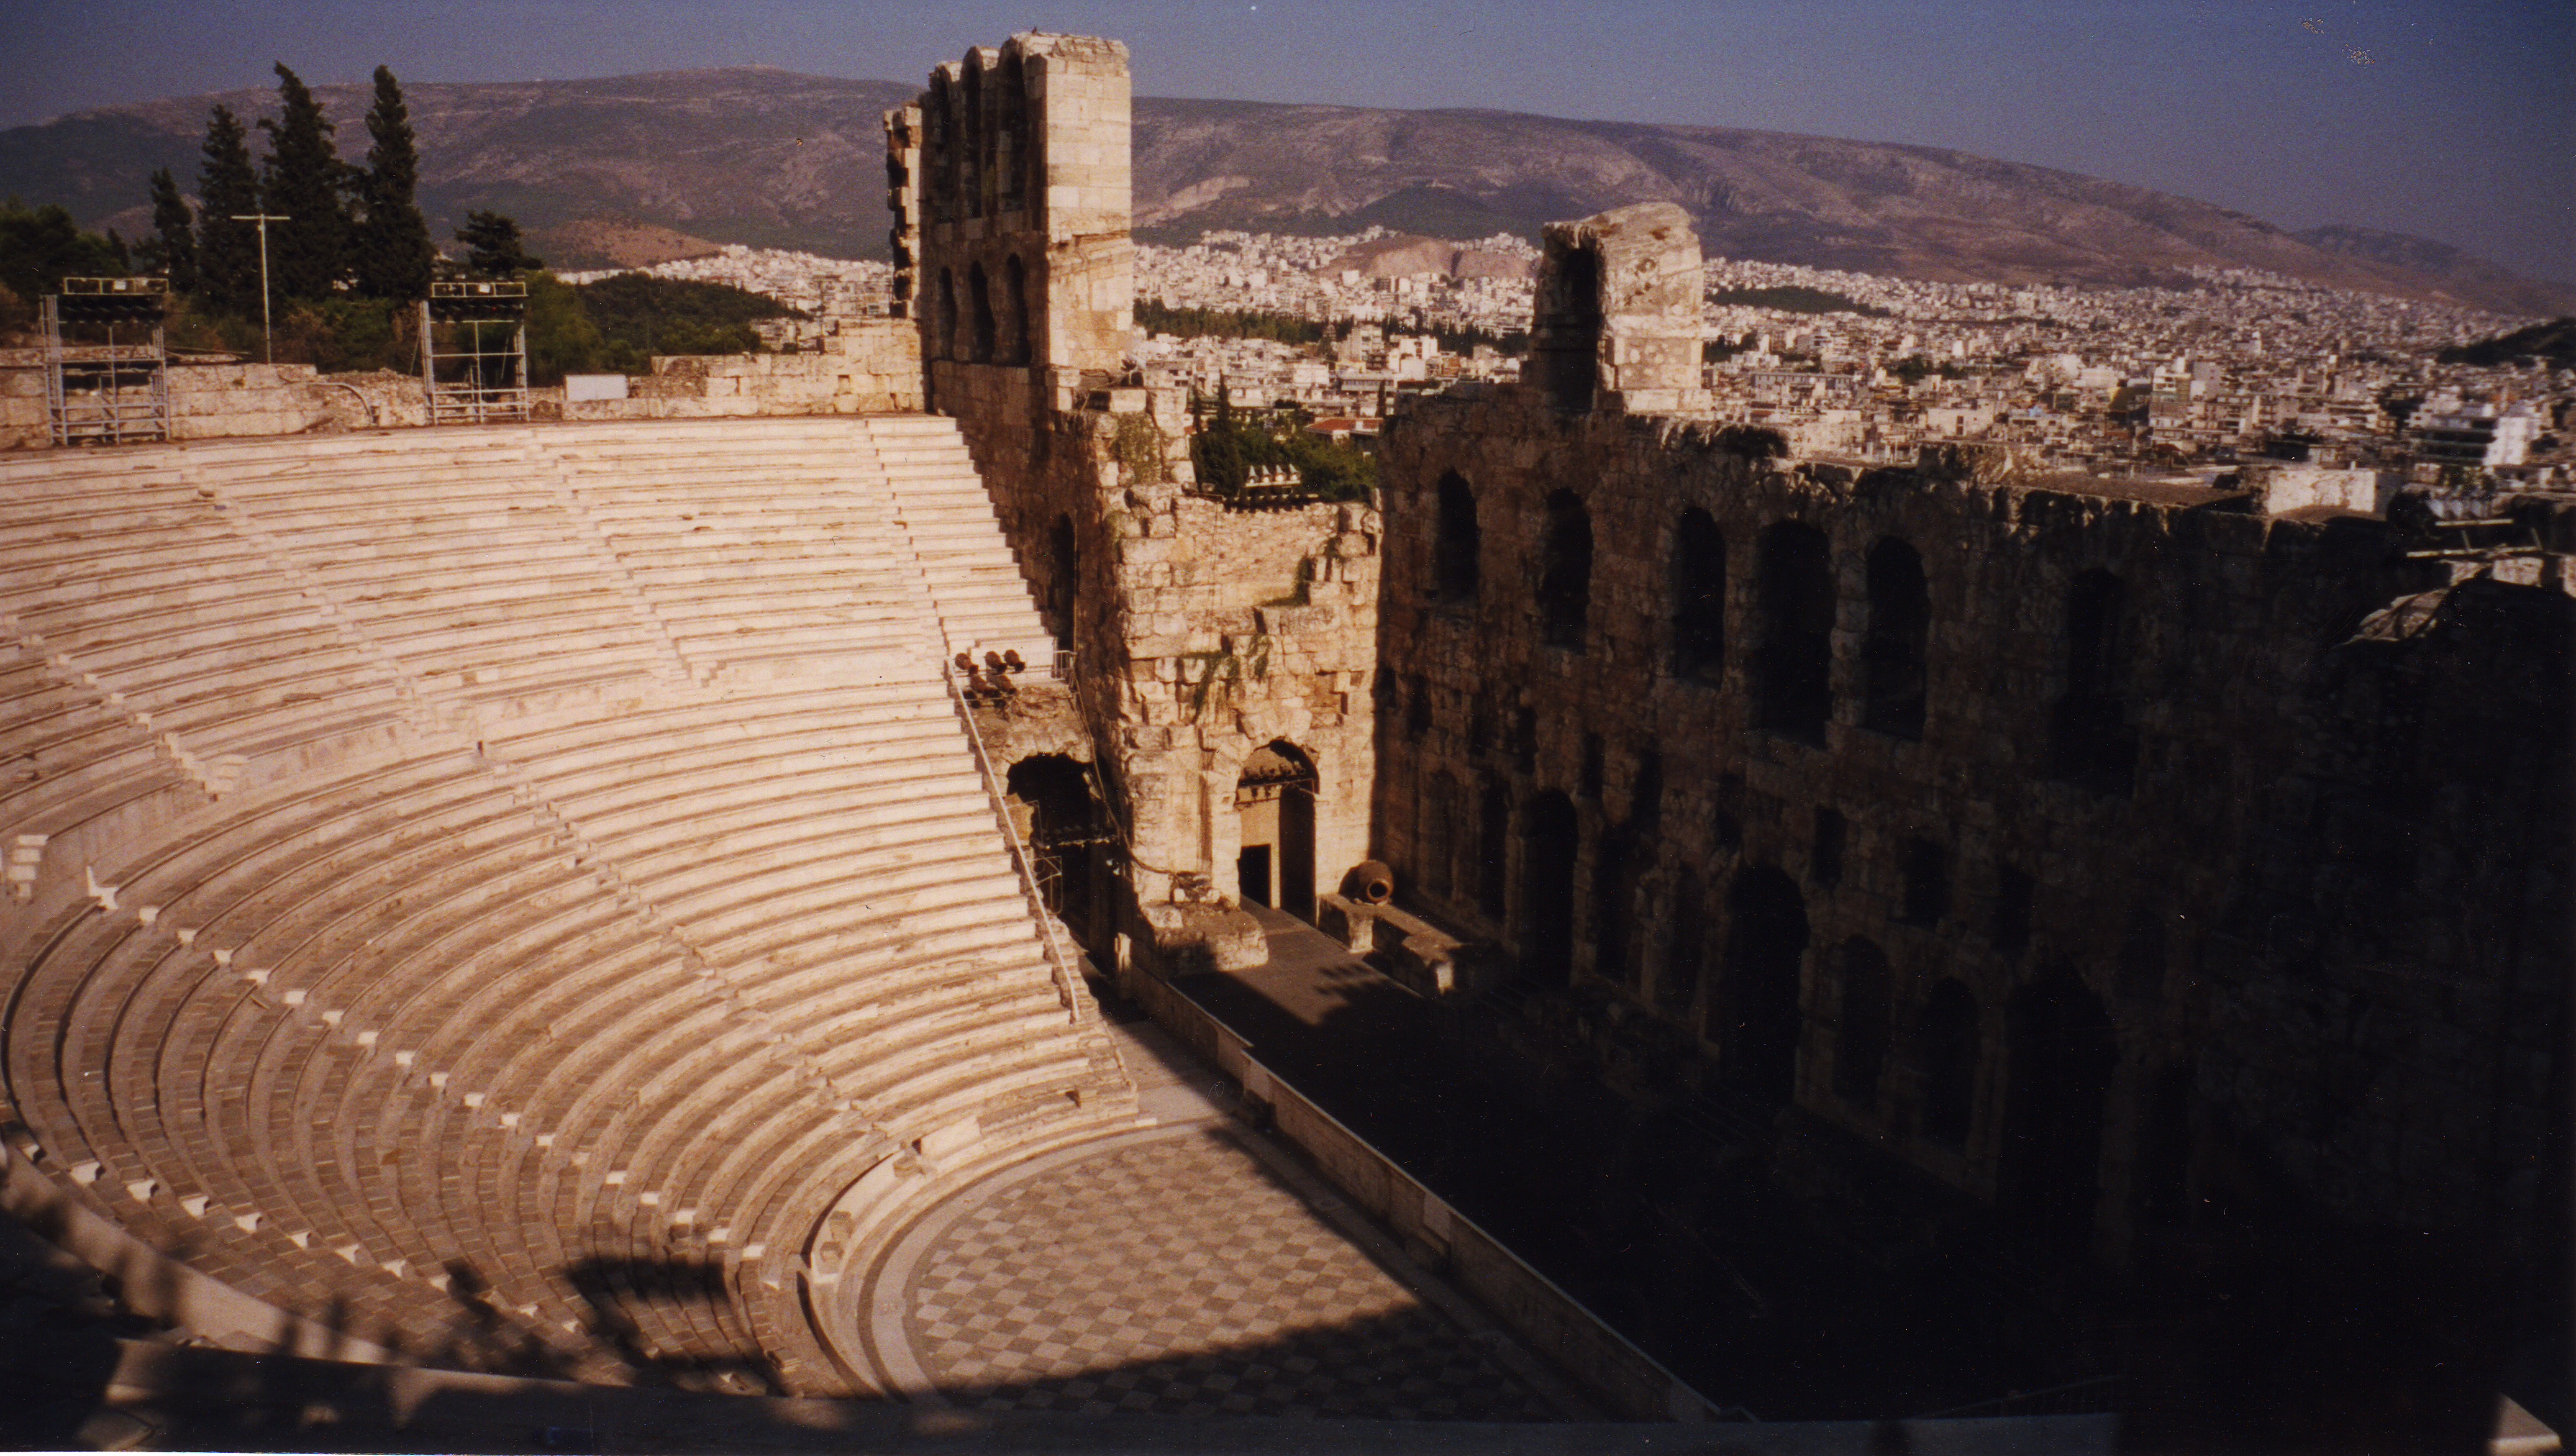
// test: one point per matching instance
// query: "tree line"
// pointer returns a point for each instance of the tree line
(351, 256)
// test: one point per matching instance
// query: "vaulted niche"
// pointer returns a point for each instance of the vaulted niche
(1565, 572)
(1893, 653)
(1757, 1003)
(1549, 839)
(1698, 597)
(1456, 548)
(2091, 742)
(1793, 667)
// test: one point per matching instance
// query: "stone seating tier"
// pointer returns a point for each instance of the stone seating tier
(551, 852)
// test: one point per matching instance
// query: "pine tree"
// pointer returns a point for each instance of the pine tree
(302, 183)
(227, 188)
(392, 251)
(494, 248)
(172, 249)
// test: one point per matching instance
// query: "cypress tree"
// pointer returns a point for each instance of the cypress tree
(494, 247)
(393, 255)
(173, 247)
(302, 182)
(227, 187)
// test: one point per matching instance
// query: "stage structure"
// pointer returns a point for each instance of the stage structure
(474, 352)
(107, 375)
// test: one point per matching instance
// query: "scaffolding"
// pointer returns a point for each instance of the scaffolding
(474, 352)
(111, 385)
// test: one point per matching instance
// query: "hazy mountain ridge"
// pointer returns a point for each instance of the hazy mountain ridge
(781, 159)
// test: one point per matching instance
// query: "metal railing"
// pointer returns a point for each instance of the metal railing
(1058, 960)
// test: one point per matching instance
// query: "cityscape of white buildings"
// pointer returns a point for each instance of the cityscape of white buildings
(2224, 366)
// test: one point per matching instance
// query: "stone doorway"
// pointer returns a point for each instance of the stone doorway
(1067, 838)
(1274, 805)
(2061, 1052)
(1550, 834)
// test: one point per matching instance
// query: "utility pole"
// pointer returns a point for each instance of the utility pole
(267, 344)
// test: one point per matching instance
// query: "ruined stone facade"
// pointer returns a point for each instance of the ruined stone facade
(1221, 658)
(2079, 850)
(2056, 838)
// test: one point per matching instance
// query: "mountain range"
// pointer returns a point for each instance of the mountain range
(624, 168)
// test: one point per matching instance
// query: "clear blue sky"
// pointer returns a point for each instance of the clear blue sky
(2455, 121)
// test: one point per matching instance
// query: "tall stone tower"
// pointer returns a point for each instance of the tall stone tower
(1009, 183)
(1220, 654)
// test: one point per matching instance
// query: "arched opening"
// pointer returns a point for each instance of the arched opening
(947, 319)
(970, 152)
(2164, 1161)
(1549, 837)
(1064, 578)
(939, 150)
(1274, 801)
(1065, 836)
(1493, 848)
(1015, 293)
(2092, 743)
(1945, 1047)
(1440, 806)
(1614, 909)
(1574, 361)
(1793, 683)
(1900, 632)
(980, 295)
(1860, 1042)
(1766, 944)
(1455, 549)
(1685, 952)
(2062, 1051)
(1565, 572)
(1010, 106)
(1699, 597)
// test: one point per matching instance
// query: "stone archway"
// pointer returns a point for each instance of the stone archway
(1550, 833)
(1274, 804)
(1066, 838)
(2061, 1052)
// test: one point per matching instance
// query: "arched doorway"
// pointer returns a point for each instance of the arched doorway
(1274, 802)
(2061, 1052)
(1064, 573)
(1793, 672)
(1550, 835)
(1065, 836)
(1565, 572)
(1766, 944)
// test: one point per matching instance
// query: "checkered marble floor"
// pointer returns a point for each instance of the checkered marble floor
(1178, 1276)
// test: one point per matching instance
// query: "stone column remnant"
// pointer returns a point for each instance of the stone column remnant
(1617, 321)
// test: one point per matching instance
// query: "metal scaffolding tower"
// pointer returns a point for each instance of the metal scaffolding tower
(109, 384)
(474, 352)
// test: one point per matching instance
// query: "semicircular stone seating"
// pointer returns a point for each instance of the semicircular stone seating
(492, 889)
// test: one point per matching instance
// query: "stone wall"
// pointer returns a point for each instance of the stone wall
(873, 367)
(2196, 845)
(1202, 636)
(207, 402)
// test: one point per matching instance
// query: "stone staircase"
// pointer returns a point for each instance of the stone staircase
(510, 881)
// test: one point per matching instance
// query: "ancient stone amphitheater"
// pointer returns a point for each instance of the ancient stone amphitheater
(535, 871)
